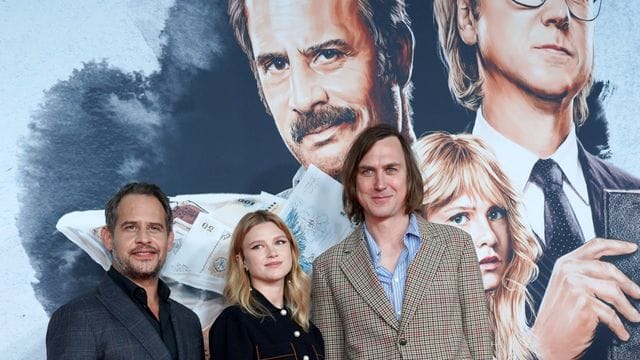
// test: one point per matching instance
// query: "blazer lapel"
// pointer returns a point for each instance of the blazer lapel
(422, 270)
(357, 267)
(595, 185)
(181, 342)
(123, 309)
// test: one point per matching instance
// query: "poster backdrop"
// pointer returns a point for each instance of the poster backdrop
(98, 94)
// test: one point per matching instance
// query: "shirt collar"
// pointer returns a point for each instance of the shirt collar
(136, 292)
(517, 162)
(374, 250)
(297, 177)
(567, 157)
(265, 302)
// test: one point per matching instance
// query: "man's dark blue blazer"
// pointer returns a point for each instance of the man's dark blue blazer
(106, 324)
(601, 175)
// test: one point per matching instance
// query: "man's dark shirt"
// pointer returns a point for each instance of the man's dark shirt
(164, 327)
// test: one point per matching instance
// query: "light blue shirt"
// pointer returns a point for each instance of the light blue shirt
(393, 283)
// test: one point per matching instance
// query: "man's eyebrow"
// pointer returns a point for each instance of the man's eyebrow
(339, 43)
(264, 58)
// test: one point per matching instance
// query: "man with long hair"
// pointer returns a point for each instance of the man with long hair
(397, 287)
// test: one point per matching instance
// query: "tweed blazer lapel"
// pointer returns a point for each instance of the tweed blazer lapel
(422, 270)
(357, 267)
(123, 309)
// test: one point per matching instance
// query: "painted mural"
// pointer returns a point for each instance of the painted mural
(243, 105)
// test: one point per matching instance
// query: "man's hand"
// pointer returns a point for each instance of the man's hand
(584, 291)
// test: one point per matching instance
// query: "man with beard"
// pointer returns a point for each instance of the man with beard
(129, 314)
(328, 69)
(397, 287)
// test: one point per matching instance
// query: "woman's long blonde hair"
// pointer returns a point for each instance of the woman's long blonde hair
(453, 165)
(297, 288)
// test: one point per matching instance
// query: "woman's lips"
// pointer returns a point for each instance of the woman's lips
(490, 262)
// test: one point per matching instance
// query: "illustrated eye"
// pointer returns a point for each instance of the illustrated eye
(496, 213)
(328, 55)
(275, 64)
(459, 219)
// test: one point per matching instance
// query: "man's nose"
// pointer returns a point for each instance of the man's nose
(556, 13)
(380, 181)
(305, 89)
(143, 236)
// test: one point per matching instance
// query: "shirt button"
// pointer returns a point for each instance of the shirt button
(283, 312)
(305, 357)
(402, 341)
(296, 333)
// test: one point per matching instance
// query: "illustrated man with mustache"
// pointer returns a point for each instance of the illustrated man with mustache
(327, 70)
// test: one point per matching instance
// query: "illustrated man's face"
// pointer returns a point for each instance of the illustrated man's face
(544, 51)
(316, 64)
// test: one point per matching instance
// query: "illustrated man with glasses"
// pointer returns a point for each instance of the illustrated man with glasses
(525, 67)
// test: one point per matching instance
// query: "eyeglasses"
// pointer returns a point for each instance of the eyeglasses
(585, 10)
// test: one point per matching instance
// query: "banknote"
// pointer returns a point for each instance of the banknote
(315, 216)
(199, 259)
(230, 212)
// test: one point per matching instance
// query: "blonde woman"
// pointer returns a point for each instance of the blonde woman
(465, 187)
(269, 296)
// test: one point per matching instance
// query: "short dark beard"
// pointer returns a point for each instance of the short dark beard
(325, 116)
(132, 273)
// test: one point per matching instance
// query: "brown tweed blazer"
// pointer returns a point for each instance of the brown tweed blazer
(444, 311)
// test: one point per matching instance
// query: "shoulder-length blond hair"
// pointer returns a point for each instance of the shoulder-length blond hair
(297, 288)
(453, 165)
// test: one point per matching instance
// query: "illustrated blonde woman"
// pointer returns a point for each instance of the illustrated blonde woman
(268, 294)
(465, 187)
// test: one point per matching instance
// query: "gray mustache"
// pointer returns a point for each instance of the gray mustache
(326, 116)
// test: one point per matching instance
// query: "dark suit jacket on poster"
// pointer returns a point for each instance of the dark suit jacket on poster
(601, 175)
(106, 324)
(444, 311)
